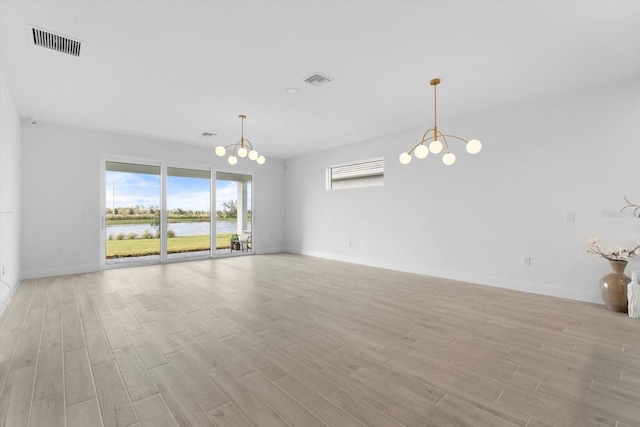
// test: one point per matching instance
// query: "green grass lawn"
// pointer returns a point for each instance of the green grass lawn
(141, 247)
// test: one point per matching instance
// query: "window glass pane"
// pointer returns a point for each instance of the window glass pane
(369, 173)
(132, 231)
(188, 213)
(233, 213)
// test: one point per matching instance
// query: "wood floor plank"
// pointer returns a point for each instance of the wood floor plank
(153, 412)
(72, 327)
(197, 381)
(48, 412)
(374, 398)
(257, 360)
(114, 300)
(98, 346)
(146, 302)
(127, 319)
(539, 413)
(14, 315)
(424, 406)
(592, 401)
(226, 355)
(474, 414)
(88, 313)
(141, 314)
(198, 353)
(619, 390)
(212, 327)
(126, 295)
(39, 297)
(282, 339)
(258, 412)
(307, 375)
(116, 335)
(149, 353)
(115, 405)
(15, 400)
(362, 411)
(26, 351)
(8, 341)
(239, 331)
(300, 354)
(49, 373)
(289, 409)
(77, 377)
(317, 404)
(181, 403)
(165, 343)
(134, 373)
(165, 304)
(190, 325)
(167, 322)
(52, 327)
(84, 414)
(228, 415)
(102, 307)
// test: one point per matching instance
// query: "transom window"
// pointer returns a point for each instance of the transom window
(365, 173)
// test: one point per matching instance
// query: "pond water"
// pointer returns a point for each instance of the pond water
(180, 228)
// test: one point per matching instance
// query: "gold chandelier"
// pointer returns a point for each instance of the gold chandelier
(242, 148)
(421, 150)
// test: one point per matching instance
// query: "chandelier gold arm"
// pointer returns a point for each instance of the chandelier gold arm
(240, 143)
(434, 137)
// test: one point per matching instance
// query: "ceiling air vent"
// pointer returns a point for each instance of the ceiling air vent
(56, 42)
(207, 134)
(317, 80)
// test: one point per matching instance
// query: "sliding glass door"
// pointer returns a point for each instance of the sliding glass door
(156, 213)
(188, 213)
(233, 213)
(132, 213)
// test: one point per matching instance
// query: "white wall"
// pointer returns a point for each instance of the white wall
(475, 220)
(61, 193)
(9, 195)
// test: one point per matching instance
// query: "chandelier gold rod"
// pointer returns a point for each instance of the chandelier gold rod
(242, 117)
(435, 83)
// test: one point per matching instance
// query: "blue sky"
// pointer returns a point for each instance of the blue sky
(187, 193)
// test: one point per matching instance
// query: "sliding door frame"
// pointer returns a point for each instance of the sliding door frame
(163, 211)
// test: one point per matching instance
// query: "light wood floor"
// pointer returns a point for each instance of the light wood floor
(280, 340)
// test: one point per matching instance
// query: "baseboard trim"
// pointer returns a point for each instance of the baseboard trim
(9, 297)
(270, 250)
(496, 282)
(60, 271)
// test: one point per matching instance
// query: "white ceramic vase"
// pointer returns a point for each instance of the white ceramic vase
(633, 296)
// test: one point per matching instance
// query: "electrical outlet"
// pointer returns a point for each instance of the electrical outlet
(526, 261)
(570, 217)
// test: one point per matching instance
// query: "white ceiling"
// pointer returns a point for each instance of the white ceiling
(173, 69)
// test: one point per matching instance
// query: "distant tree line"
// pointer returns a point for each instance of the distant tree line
(229, 211)
(150, 212)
